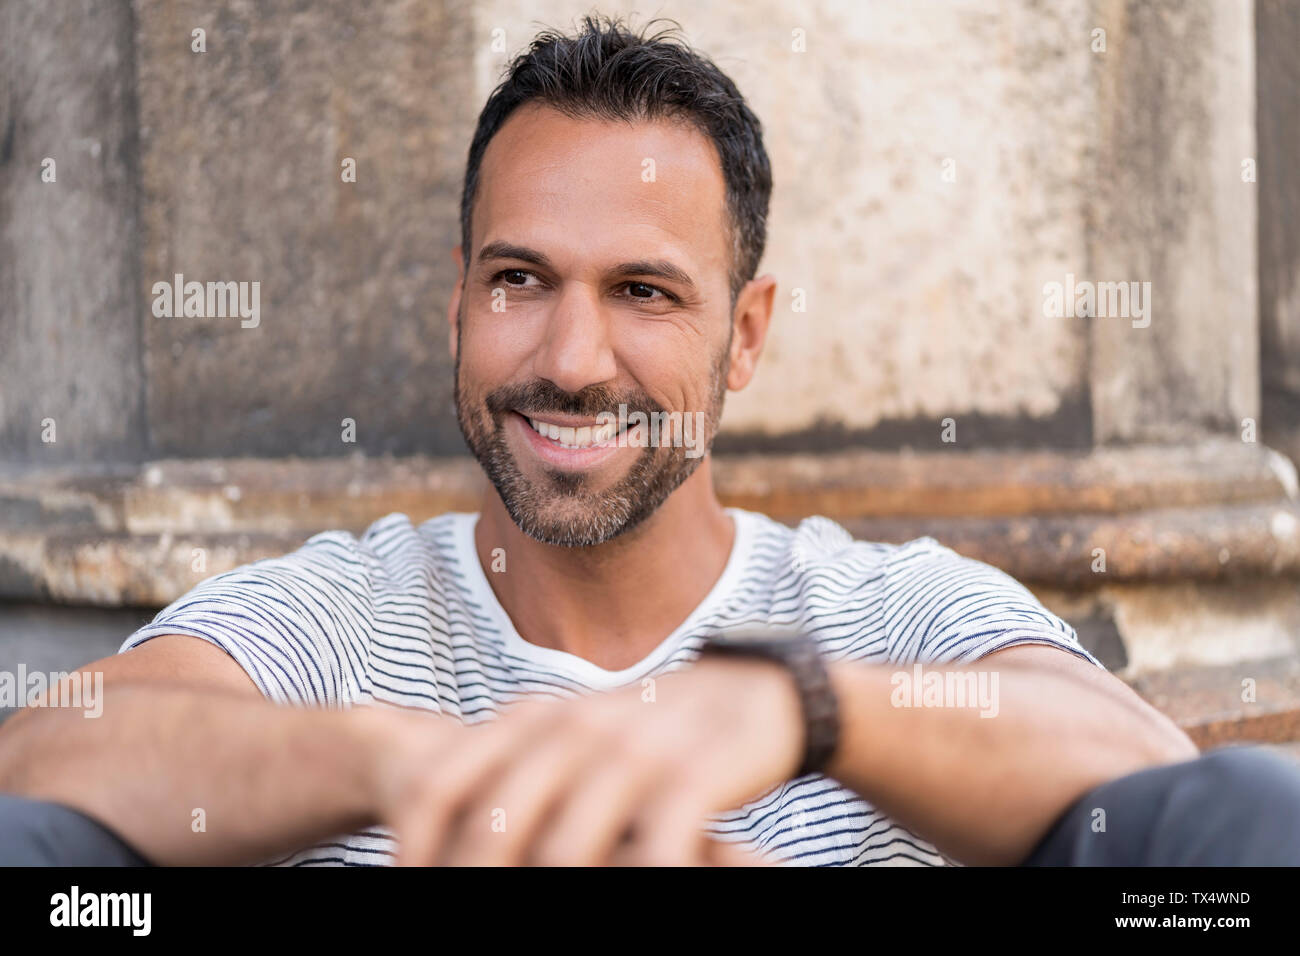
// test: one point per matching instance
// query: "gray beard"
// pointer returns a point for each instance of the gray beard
(605, 515)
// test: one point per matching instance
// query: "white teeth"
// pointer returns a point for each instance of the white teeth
(583, 437)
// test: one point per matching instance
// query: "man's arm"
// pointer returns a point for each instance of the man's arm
(985, 790)
(628, 776)
(574, 775)
(184, 728)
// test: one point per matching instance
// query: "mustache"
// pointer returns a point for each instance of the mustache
(541, 396)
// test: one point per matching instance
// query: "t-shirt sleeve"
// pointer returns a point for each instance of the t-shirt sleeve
(292, 623)
(941, 607)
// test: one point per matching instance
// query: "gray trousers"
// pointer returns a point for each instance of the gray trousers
(35, 833)
(1235, 806)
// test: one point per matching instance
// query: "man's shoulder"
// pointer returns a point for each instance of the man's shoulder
(911, 600)
(341, 554)
(389, 545)
(815, 566)
(332, 575)
(298, 623)
(916, 572)
(901, 566)
(815, 544)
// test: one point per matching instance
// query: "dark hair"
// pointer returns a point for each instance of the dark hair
(609, 71)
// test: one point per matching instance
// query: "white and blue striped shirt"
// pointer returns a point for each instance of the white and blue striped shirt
(405, 615)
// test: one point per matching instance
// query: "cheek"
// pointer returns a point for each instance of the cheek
(674, 387)
(675, 367)
(493, 351)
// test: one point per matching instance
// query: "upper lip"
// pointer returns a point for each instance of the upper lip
(562, 421)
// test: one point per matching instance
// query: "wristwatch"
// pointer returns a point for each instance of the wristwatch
(799, 655)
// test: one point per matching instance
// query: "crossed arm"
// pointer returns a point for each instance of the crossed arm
(621, 777)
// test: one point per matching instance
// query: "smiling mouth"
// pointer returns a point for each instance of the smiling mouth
(584, 436)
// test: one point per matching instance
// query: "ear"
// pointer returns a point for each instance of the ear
(453, 307)
(749, 323)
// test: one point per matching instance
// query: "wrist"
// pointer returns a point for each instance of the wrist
(366, 742)
(383, 741)
(773, 691)
(800, 658)
(791, 707)
(395, 747)
(863, 693)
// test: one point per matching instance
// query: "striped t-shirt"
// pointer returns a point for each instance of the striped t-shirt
(405, 615)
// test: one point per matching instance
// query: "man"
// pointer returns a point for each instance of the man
(527, 684)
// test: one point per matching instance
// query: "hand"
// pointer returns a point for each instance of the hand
(625, 777)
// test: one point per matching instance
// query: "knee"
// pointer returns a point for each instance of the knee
(28, 832)
(1236, 805)
(1249, 777)
(37, 833)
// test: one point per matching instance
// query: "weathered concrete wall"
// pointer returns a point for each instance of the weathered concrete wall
(70, 309)
(1277, 33)
(937, 164)
(242, 150)
(1175, 121)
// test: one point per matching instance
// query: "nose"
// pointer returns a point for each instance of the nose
(577, 348)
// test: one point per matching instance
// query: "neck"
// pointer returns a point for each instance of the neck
(611, 604)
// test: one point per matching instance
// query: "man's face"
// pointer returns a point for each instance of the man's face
(598, 279)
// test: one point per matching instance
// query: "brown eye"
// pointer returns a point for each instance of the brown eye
(644, 292)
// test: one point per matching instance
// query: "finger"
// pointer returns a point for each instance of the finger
(669, 828)
(708, 852)
(711, 852)
(589, 824)
(497, 827)
(429, 810)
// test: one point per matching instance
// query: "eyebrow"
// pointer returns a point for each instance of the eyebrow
(662, 268)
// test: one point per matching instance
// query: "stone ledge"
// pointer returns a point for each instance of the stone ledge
(128, 536)
(1207, 702)
(910, 484)
(1204, 543)
(116, 569)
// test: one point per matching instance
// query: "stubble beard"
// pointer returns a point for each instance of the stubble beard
(560, 508)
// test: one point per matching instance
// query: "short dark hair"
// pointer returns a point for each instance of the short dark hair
(610, 71)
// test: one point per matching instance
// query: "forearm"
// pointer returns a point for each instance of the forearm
(267, 779)
(985, 789)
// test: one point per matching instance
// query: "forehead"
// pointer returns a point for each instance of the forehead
(592, 187)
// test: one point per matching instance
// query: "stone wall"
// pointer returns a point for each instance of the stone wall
(72, 317)
(936, 165)
(1277, 32)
